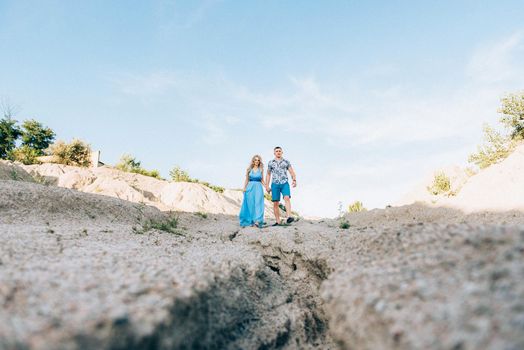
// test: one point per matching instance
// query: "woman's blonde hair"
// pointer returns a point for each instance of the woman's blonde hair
(252, 164)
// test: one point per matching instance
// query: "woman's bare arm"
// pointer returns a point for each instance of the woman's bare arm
(245, 182)
(268, 177)
(262, 180)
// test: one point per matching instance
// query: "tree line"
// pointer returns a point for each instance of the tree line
(27, 141)
(31, 139)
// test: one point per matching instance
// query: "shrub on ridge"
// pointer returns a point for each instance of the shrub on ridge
(77, 152)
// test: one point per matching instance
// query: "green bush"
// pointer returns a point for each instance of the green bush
(441, 184)
(356, 207)
(495, 148)
(129, 164)
(25, 154)
(179, 175)
(76, 153)
(513, 114)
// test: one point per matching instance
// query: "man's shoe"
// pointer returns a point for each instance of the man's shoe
(276, 224)
(290, 219)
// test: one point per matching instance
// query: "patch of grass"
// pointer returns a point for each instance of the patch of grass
(217, 189)
(441, 184)
(344, 224)
(202, 214)
(14, 175)
(39, 178)
(179, 175)
(129, 164)
(151, 173)
(167, 225)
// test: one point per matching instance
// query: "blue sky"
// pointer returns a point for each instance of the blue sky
(366, 98)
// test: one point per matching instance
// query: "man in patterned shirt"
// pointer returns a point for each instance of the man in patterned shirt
(277, 169)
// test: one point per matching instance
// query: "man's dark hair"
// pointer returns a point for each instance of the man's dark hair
(278, 147)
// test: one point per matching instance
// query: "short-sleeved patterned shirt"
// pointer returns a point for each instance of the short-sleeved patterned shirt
(278, 170)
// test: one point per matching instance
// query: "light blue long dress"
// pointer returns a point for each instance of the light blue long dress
(252, 210)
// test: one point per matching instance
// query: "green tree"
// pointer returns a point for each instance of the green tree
(36, 136)
(513, 114)
(9, 133)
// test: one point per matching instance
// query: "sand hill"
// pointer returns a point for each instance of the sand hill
(499, 187)
(165, 195)
(90, 271)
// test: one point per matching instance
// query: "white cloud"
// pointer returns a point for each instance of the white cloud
(393, 119)
(393, 116)
(496, 63)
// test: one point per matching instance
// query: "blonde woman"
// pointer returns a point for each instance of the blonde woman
(252, 211)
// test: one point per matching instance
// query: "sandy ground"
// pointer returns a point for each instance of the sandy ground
(79, 271)
(91, 271)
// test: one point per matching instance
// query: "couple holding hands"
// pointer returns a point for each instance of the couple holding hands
(252, 211)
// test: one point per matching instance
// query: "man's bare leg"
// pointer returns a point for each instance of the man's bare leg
(288, 205)
(276, 210)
